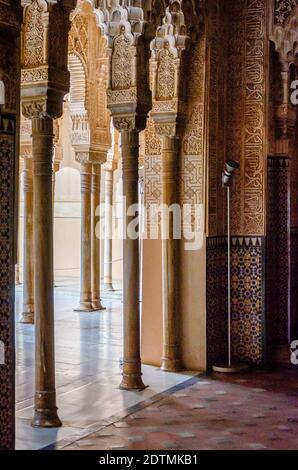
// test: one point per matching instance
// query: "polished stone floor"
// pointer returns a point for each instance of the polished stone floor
(253, 411)
(88, 349)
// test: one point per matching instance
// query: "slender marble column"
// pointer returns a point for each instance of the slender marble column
(171, 360)
(45, 395)
(17, 266)
(28, 243)
(56, 167)
(108, 242)
(86, 292)
(132, 374)
(96, 176)
(17, 275)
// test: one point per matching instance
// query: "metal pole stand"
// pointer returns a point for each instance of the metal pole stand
(230, 367)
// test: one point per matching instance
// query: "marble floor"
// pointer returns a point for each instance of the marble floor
(88, 349)
(253, 411)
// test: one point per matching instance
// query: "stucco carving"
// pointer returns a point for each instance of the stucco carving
(167, 69)
(122, 62)
(88, 62)
(44, 56)
(283, 9)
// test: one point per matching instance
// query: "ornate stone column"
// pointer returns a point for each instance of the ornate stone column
(28, 251)
(108, 242)
(109, 167)
(131, 272)
(56, 168)
(95, 241)
(17, 266)
(129, 101)
(45, 81)
(85, 289)
(167, 114)
(45, 397)
(171, 360)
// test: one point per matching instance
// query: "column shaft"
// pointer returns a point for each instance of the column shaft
(96, 176)
(45, 396)
(28, 243)
(55, 169)
(108, 242)
(85, 293)
(132, 374)
(171, 328)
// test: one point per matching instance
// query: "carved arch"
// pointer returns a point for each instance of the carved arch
(78, 89)
(88, 43)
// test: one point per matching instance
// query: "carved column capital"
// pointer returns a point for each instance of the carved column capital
(128, 96)
(129, 122)
(166, 64)
(82, 157)
(45, 77)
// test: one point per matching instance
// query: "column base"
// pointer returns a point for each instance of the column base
(97, 305)
(171, 365)
(131, 376)
(84, 307)
(27, 317)
(108, 287)
(46, 419)
(132, 382)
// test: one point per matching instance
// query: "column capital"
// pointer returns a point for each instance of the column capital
(129, 122)
(44, 76)
(128, 97)
(87, 155)
(110, 165)
(166, 69)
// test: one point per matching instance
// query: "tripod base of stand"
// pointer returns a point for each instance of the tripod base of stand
(233, 369)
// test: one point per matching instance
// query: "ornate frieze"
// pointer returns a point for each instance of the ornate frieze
(216, 66)
(246, 111)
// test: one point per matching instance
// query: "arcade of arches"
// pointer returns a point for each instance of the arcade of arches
(147, 99)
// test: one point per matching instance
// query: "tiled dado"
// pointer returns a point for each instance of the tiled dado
(248, 299)
(217, 300)
(277, 250)
(294, 284)
(7, 171)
